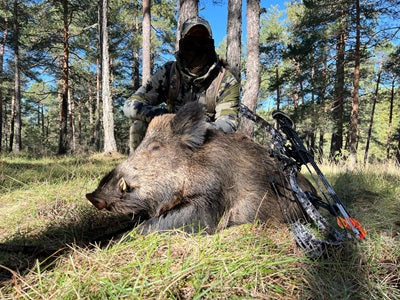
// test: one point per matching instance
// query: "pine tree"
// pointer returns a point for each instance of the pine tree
(353, 135)
(63, 137)
(371, 122)
(234, 34)
(250, 95)
(146, 38)
(108, 117)
(187, 9)
(16, 116)
(4, 28)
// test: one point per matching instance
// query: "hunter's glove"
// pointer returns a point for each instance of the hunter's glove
(225, 123)
(138, 110)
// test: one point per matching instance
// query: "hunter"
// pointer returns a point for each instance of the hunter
(196, 75)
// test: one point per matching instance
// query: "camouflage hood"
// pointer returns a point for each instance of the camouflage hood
(192, 22)
(196, 58)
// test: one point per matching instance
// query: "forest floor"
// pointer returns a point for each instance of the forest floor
(55, 245)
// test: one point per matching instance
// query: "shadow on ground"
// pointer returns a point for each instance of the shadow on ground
(19, 253)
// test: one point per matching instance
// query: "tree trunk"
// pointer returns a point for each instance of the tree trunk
(315, 109)
(146, 70)
(79, 104)
(12, 121)
(146, 38)
(63, 142)
(91, 109)
(96, 134)
(2, 46)
(312, 75)
(371, 121)
(136, 85)
(389, 134)
(71, 112)
(17, 85)
(337, 109)
(6, 125)
(322, 102)
(353, 138)
(42, 127)
(97, 128)
(187, 9)
(278, 88)
(252, 84)
(135, 70)
(108, 117)
(295, 97)
(234, 34)
(300, 81)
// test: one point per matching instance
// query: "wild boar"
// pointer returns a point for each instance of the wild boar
(189, 176)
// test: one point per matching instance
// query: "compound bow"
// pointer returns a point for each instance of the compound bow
(290, 152)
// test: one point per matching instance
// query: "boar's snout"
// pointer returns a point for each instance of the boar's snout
(98, 203)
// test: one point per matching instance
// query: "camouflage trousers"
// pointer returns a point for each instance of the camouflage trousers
(137, 131)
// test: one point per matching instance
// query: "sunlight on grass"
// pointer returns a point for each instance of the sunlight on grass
(52, 244)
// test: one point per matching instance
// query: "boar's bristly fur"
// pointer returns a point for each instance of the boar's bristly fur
(186, 175)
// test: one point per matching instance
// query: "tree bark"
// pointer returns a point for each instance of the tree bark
(136, 85)
(91, 109)
(16, 147)
(371, 121)
(2, 46)
(79, 104)
(71, 112)
(96, 134)
(63, 141)
(135, 70)
(353, 138)
(187, 9)
(252, 84)
(108, 117)
(234, 35)
(42, 127)
(299, 81)
(146, 38)
(389, 133)
(12, 121)
(278, 88)
(321, 101)
(337, 109)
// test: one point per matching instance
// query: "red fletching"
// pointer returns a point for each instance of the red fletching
(342, 223)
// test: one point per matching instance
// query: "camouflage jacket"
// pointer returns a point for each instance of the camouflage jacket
(218, 90)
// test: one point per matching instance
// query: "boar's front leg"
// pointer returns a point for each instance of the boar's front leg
(188, 217)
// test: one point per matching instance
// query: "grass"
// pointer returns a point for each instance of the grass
(55, 245)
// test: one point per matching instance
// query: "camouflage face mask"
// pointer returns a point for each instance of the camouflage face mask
(197, 53)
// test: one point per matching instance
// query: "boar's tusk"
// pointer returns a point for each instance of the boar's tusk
(122, 185)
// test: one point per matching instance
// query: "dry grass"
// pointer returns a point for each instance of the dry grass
(54, 245)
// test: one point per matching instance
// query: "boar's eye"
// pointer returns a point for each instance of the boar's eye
(154, 146)
(123, 187)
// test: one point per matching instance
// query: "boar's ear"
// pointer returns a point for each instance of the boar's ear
(189, 123)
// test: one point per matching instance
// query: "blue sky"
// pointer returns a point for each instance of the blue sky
(217, 16)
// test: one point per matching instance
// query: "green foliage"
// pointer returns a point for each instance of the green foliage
(298, 46)
(299, 60)
(41, 45)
